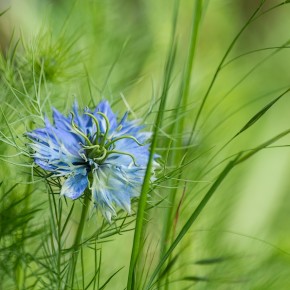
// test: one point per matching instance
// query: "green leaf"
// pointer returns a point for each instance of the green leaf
(3, 12)
(211, 261)
(109, 279)
(257, 116)
(146, 183)
(192, 218)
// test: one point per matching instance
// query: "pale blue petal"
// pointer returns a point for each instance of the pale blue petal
(74, 186)
(60, 121)
(115, 186)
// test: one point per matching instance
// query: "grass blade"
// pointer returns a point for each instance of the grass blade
(257, 116)
(3, 12)
(220, 66)
(146, 183)
(109, 279)
(192, 218)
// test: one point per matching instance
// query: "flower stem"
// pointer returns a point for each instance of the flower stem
(82, 220)
(138, 241)
(79, 233)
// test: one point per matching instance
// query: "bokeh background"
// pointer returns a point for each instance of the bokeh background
(117, 49)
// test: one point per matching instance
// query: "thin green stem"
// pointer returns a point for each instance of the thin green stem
(192, 49)
(263, 146)
(21, 269)
(123, 137)
(178, 127)
(81, 225)
(98, 131)
(191, 220)
(123, 153)
(219, 68)
(140, 220)
(79, 233)
(107, 128)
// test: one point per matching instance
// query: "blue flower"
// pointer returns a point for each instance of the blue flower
(94, 150)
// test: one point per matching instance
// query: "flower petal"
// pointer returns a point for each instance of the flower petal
(115, 186)
(84, 122)
(74, 186)
(60, 121)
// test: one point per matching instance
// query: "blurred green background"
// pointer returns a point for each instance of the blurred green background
(117, 49)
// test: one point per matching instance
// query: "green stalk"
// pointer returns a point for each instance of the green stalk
(191, 220)
(192, 49)
(79, 233)
(140, 220)
(237, 160)
(252, 18)
(21, 268)
(141, 212)
(179, 127)
(84, 213)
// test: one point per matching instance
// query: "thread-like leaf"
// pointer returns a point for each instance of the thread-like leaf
(146, 183)
(192, 218)
(3, 12)
(257, 116)
(109, 279)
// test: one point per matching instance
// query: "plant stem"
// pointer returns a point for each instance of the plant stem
(140, 220)
(79, 233)
(191, 219)
(204, 99)
(82, 220)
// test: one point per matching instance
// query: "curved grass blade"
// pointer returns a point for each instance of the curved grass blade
(109, 279)
(3, 12)
(146, 183)
(257, 116)
(262, 146)
(192, 218)
(276, 48)
(220, 66)
(178, 126)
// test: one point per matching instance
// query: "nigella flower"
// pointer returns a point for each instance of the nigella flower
(94, 150)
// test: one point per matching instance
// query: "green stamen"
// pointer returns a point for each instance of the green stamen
(107, 127)
(79, 132)
(123, 153)
(91, 147)
(98, 132)
(103, 156)
(123, 137)
(96, 152)
(99, 152)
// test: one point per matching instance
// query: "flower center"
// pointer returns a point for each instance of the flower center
(97, 153)
(99, 146)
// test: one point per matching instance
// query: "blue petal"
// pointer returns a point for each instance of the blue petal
(115, 186)
(83, 121)
(74, 186)
(57, 151)
(60, 121)
(43, 164)
(140, 153)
